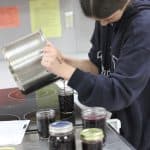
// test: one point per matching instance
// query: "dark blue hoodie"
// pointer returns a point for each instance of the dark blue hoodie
(126, 90)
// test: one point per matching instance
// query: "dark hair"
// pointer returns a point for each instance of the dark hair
(101, 8)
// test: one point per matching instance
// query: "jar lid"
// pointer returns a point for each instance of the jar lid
(60, 127)
(92, 134)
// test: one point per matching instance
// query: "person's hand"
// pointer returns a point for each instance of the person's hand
(53, 61)
(51, 58)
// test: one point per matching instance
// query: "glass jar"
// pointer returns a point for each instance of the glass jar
(66, 103)
(61, 136)
(94, 117)
(43, 119)
(91, 139)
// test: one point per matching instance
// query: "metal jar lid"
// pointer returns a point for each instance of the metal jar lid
(92, 134)
(60, 127)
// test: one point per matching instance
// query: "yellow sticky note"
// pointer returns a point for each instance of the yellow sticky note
(45, 15)
(7, 148)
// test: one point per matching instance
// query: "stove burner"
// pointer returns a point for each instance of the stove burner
(8, 117)
(16, 95)
(31, 116)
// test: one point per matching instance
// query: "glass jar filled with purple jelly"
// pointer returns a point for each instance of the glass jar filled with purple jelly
(61, 136)
(94, 117)
(91, 139)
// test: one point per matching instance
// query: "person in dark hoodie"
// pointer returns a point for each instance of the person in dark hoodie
(117, 74)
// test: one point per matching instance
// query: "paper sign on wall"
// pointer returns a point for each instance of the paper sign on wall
(45, 15)
(9, 17)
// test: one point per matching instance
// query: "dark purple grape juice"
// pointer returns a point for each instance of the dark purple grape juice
(62, 143)
(68, 117)
(66, 103)
(92, 146)
(66, 106)
(92, 122)
(42, 126)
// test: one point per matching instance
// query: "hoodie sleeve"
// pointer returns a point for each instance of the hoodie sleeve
(130, 77)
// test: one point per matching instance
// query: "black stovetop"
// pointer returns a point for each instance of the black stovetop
(13, 102)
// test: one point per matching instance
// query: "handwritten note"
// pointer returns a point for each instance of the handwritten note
(9, 17)
(45, 15)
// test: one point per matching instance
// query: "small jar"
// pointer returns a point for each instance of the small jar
(43, 119)
(61, 136)
(66, 103)
(94, 117)
(92, 139)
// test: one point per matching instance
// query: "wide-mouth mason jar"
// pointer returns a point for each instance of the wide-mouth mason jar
(61, 136)
(94, 117)
(92, 139)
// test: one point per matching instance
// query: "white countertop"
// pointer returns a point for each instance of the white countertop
(6, 79)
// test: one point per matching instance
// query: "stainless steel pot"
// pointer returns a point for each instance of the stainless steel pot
(24, 60)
